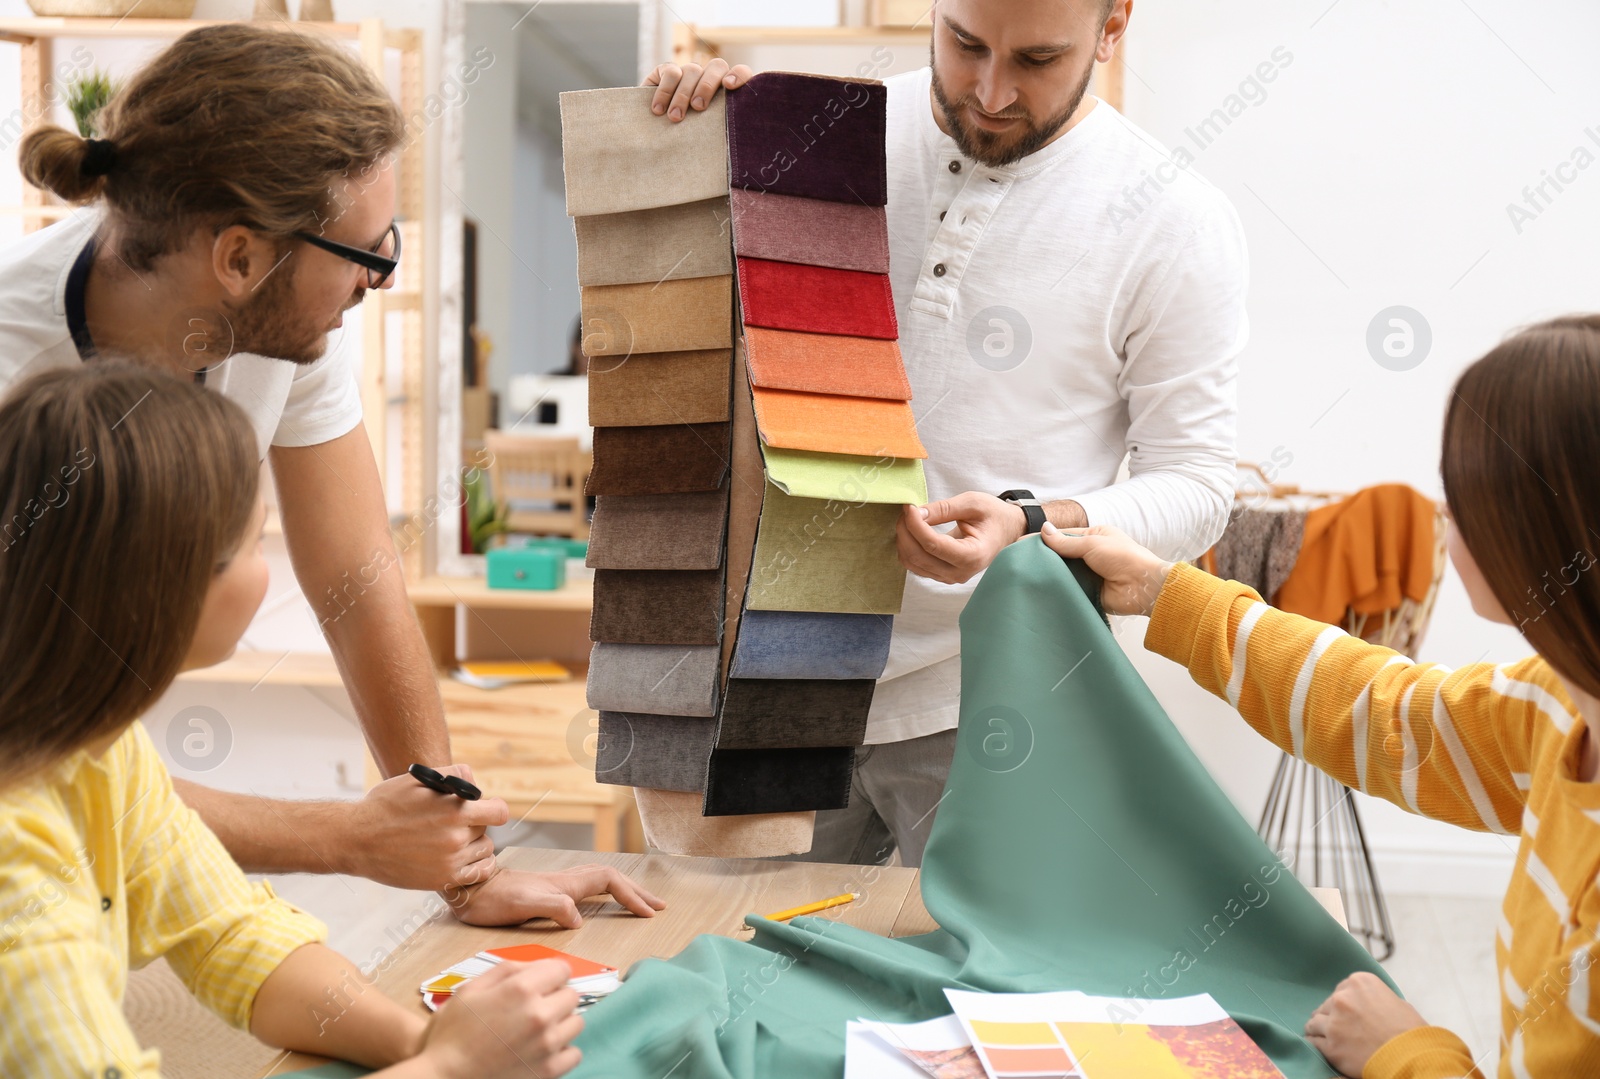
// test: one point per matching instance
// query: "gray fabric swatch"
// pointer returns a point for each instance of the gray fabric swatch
(660, 752)
(661, 679)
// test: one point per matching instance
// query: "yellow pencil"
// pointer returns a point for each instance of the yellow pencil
(812, 908)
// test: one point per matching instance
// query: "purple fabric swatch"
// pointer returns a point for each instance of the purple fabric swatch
(806, 135)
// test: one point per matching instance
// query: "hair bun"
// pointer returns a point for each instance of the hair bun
(99, 157)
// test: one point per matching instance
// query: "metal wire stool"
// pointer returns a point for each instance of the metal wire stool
(1306, 808)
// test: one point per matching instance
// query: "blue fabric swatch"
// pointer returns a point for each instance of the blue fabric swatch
(809, 644)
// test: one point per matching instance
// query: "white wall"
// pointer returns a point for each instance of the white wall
(1376, 171)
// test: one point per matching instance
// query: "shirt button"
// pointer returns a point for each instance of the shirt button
(941, 214)
(105, 902)
(955, 166)
(938, 271)
(113, 1073)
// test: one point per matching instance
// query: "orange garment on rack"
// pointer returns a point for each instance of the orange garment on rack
(1364, 553)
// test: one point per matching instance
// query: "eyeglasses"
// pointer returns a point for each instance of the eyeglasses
(379, 266)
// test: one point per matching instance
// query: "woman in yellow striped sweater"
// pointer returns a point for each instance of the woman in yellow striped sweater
(130, 550)
(1495, 747)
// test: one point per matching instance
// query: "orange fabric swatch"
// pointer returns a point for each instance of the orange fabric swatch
(826, 363)
(829, 423)
(1363, 553)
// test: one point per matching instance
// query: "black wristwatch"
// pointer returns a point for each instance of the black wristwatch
(1032, 508)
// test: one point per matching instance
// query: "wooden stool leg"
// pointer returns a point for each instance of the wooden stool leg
(605, 828)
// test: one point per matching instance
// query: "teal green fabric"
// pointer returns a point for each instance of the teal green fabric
(1080, 845)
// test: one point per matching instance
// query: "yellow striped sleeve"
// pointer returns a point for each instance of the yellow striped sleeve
(1437, 742)
(1423, 1053)
(188, 899)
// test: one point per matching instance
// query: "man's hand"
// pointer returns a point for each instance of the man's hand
(408, 836)
(679, 89)
(1357, 1020)
(511, 897)
(1133, 574)
(984, 525)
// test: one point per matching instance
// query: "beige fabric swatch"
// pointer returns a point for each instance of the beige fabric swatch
(617, 155)
(673, 825)
(663, 244)
(673, 316)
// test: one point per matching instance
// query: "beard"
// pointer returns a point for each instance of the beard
(272, 324)
(995, 148)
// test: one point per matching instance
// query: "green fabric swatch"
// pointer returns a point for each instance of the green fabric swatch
(1080, 845)
(815, 554)
(808, 474)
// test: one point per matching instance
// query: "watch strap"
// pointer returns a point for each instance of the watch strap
(1031, 507)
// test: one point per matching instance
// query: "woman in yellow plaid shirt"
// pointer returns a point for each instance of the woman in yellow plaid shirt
(130, 550)
(1506, 748)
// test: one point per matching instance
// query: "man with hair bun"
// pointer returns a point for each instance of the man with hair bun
(239, 201)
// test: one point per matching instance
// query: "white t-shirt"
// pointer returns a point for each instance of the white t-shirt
(288, 404)
(1055, 316)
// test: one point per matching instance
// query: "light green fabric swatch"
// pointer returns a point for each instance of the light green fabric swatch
(1080, 845)
(808, 474)
(815, 554)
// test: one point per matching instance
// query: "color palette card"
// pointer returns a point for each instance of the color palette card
(1077, 1036)
(590, 979)
(939, 1049)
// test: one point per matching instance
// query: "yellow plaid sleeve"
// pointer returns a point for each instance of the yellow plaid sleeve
(188, 900)
(62, 976)
(1437, 742)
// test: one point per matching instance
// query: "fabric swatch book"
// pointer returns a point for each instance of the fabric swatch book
(1079, 1036)
(589, 979)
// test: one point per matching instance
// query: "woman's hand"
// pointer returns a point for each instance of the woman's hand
(1133, 575)
(1357, 1020)
(519, 1019)
(679, 89)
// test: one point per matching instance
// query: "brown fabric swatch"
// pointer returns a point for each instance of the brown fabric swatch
(784, 228)
(682, 531)
(778, 780)
(663, 244)
(617, 155)
(746, 485)
(673, 825)
(644, 606)
(791, 713)
(620, 320)
(663, 752)
(823, 555)
(825, 363)
(652, 388)
(667, 459)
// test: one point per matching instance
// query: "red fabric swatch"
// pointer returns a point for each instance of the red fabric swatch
(816, 299)
(826, 363)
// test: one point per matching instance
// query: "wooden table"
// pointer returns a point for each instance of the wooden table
(703, 895)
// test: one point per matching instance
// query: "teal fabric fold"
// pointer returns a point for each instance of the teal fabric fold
(1080, 845)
